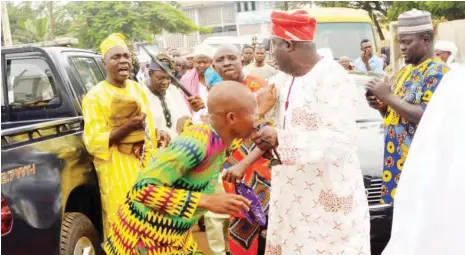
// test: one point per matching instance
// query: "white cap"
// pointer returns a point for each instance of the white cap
(447, 46)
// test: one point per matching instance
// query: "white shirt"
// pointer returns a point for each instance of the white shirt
(318, 203)
(263, 72)
(176, 105)
(203, 93)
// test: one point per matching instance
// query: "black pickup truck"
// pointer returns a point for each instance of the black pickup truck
(49, 194)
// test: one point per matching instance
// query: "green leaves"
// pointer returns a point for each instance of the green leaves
(38, 28)
(136, 20)
(438, 9)
(92, 21)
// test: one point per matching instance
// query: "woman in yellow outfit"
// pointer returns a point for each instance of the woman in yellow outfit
(119, 130)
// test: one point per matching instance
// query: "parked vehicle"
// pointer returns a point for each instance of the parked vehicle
(50, 193)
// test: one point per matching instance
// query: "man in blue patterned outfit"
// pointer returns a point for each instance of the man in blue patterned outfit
(403, 100)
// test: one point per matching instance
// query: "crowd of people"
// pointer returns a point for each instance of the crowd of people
(165, 160)
(370, 62)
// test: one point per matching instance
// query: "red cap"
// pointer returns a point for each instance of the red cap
(294, 26)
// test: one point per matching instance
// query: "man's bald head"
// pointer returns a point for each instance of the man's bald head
(231, 106)
(230, 96)
(227, 63)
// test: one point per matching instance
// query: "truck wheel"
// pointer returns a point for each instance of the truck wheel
(78, 236)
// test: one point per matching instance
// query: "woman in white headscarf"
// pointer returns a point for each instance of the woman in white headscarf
(429, 212)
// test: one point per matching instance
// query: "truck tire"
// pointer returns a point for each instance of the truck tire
(78, 235)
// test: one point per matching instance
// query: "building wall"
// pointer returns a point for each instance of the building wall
(221, 16)
(250, 29)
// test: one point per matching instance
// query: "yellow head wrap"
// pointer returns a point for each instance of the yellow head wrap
(112, 41)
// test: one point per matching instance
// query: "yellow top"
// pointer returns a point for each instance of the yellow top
(116, 171)
(326, 15)
(112, 41)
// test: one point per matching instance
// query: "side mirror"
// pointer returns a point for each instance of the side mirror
(267, 44)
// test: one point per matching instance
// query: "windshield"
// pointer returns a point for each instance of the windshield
(343, 38)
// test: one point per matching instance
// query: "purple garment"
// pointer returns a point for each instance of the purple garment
(256, 212)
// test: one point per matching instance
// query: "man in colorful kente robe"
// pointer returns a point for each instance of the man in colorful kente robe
(118, 128)
(403, 102)
(245, 162)
(318, 203)
(177, 187)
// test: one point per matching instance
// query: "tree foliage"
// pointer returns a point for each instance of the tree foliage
(92, 21)
(38, 28)
(439, 9)
(391, 9)
(22, 17)
(136, 20)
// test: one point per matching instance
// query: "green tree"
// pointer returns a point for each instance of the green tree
(93, 21)
(19, 13)
(63, 20)
(438, 9)
(38, 28)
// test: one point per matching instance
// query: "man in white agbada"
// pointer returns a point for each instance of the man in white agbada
(166, 101)
(318, 203)
(447, 51)
(429, 212)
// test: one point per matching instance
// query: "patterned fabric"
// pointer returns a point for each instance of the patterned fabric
(116, 171)
(414, 21)
(255, 83)
(113, 40)
(161, 208)
(318, 203)
(243, 236)
(430, 195)
(294, 26)
(415, 85)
